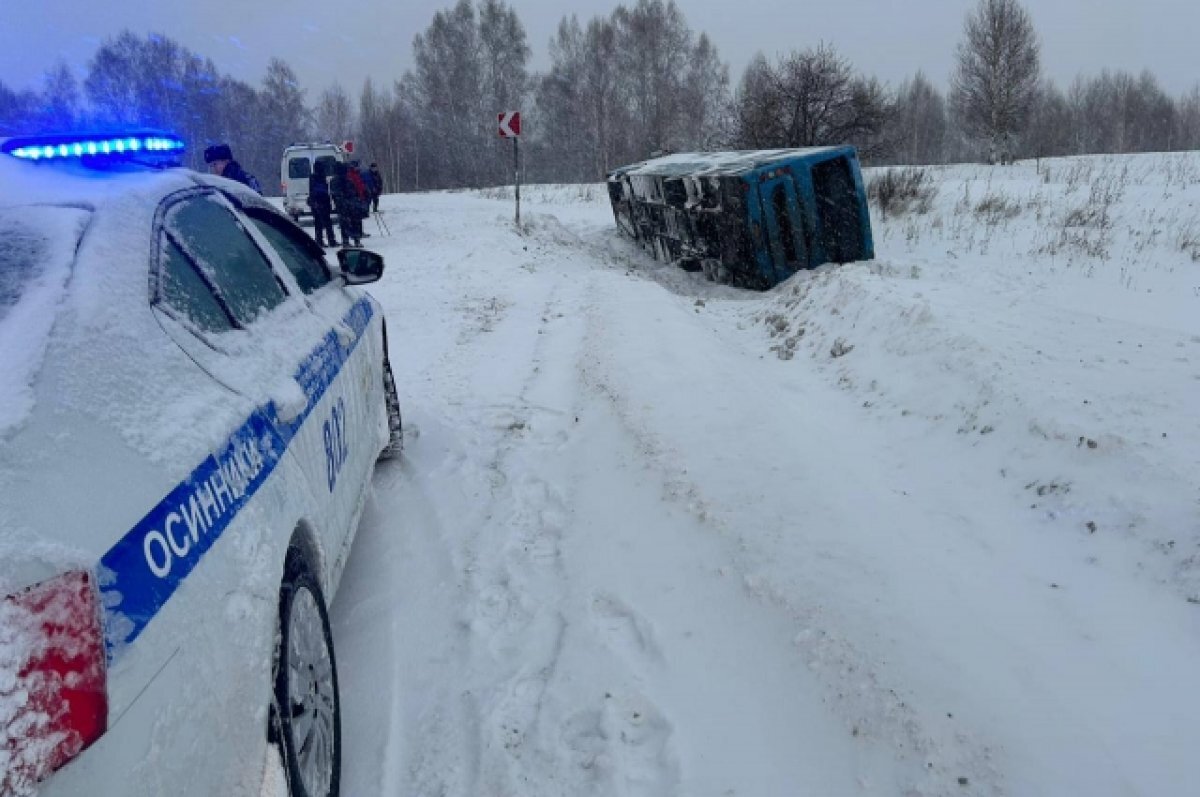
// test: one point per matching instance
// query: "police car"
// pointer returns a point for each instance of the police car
(192, 405)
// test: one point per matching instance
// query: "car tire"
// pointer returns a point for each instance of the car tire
(307, 706)
(395, 443)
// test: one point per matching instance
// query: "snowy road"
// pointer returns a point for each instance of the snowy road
(635, 550)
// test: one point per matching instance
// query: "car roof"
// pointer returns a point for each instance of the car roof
(309, 147)
(54, 183)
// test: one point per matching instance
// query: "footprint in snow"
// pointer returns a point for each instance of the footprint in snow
(628, 632)
(624, 747)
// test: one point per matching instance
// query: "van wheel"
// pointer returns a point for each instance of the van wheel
(307, 706)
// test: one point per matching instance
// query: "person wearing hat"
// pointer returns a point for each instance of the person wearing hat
(374, 185)
(321, 202)
(219, 158)
(345, 202)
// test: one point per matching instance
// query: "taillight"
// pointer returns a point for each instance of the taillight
(53, 702)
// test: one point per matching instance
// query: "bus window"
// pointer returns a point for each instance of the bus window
(783, 218)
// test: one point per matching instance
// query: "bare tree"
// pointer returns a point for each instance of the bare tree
(653, 50)
(1187, 120)
(706, 95)
(447, 84)
(503, 55)
(919, 122)
(285, 118)
(1051, 129)
(811, 98)
(758, 107)
(17, 109)
(61, 107)
(387, 135)
(997, 76)
(334, 115)
(568, 138)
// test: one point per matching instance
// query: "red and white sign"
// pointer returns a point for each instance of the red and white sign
(510, 124)
(348, 146)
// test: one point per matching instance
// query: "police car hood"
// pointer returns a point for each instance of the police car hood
(95, 398)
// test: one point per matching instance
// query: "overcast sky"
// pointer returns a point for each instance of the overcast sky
(347, 41)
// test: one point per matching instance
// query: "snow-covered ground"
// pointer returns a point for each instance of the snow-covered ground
(928, 525)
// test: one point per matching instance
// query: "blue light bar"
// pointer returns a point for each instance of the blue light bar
(140, 147)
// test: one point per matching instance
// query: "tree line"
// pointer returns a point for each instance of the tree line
(619, 88)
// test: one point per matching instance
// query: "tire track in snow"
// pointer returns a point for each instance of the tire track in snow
(877, 715)
(535, 738)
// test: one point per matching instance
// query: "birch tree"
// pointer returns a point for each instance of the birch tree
(997, 76)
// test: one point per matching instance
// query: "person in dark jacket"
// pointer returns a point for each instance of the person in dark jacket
(321, 204)
(219, 158)
(374, 180)
(345, 201)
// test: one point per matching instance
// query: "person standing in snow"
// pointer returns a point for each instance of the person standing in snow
(360, 189)
(375, 185)
(345, 201)
(219, 158)
(321, 204)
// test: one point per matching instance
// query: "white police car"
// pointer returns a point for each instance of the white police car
(191, 407)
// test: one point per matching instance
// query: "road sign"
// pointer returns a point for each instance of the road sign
(348, 146)
(510, 124)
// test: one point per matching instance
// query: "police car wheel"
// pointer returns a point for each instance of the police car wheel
(306, 689)
(395, 444)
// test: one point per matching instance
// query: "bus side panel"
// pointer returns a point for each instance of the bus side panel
(755, 221)
(806, 196)
(864, 207)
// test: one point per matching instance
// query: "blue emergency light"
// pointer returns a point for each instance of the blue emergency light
(150, 148)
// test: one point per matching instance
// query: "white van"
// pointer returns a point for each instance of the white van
(297, 166)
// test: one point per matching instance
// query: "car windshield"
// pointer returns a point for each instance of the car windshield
(37, 249)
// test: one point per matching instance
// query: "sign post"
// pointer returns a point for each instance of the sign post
(510, 127)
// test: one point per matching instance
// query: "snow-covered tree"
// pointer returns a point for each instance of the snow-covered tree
(999, 65)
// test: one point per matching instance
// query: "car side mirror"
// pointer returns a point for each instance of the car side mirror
(360, 266)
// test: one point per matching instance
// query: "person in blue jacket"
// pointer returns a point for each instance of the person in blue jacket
(219, 158)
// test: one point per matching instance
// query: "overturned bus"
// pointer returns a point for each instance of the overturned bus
(749, 218)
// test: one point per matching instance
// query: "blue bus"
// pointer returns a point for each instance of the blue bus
(750, 218)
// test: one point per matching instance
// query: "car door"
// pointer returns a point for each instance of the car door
(249, 325)
(349, 434)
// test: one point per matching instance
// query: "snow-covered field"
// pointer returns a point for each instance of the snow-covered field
(928, 525)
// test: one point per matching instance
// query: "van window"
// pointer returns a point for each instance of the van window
(299, 168)
(327, 161)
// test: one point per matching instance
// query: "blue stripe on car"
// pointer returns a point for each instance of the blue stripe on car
(141, 572)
